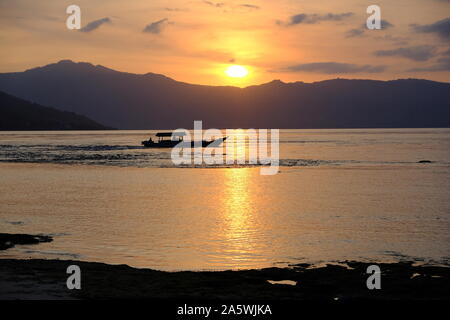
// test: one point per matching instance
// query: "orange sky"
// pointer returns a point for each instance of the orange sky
(195, 41)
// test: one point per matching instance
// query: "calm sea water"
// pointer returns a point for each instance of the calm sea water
(340, 194)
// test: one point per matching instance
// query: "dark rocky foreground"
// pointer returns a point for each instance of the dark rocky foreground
(46, 279)
(10, 240)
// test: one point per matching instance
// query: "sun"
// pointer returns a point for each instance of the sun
(236, 71)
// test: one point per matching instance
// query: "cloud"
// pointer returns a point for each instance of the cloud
(231, 7)
(91, 26)
(443, 64)
(446, 53)
(156, 27)
(441, 28)
(304, 18)
(332, 68)
(384, 24)
(360, 32)
(397, 40)
(214, 4)
(249, 6)
(175, 9)
(354, 33)
(418, 53)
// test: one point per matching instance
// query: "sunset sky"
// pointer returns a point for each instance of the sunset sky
(195, 41)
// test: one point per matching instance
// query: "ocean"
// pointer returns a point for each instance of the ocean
(353, 194)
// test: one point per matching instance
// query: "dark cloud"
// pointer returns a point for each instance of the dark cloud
(360, 32)
(443, 64)
(156, 27)
(304, 18)
(385, 24)
(214, 4)
(91, 26)
(332, 68)
(418, 53)
(446, 53)
(441, 28)
(249, 6)
(354, 33)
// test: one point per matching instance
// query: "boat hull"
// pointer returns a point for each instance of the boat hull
(166, 144)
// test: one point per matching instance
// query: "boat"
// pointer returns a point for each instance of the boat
(177, 139)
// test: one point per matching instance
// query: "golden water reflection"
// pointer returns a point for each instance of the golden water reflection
(240, 214)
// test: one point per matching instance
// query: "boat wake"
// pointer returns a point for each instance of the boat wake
(141, 157)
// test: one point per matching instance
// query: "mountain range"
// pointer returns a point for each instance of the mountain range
(152, 101)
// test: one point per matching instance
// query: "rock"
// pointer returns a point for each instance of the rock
(10, 240)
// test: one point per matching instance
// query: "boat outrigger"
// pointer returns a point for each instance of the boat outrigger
(176, 139)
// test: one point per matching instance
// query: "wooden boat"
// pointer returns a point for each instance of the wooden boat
(177, 139)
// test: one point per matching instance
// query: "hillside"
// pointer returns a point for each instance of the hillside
(18, 114)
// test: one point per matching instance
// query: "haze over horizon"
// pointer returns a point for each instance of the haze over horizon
(196, 41)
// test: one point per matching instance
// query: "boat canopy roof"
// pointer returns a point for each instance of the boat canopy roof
(169, 134)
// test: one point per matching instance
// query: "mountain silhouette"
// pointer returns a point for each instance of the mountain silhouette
(153, 101)
(18, 114)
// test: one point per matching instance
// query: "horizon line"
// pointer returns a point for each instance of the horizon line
(212, 85)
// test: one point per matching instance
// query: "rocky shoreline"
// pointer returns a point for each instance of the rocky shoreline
(46, 279)
(8, 241)
(343, 281)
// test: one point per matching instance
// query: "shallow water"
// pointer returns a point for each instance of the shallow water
(340, 194)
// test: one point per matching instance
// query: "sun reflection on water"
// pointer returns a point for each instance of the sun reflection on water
(239, 214)
(240, 147)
